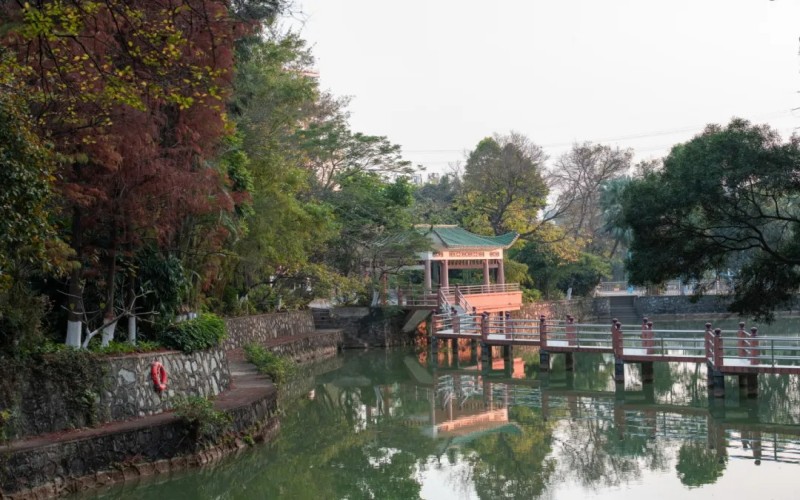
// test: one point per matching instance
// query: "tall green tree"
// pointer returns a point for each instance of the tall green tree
(503, 188)
(376, 237)
(275, 98)
(29, 243)
(434, 201)
(727, 199)
(332, 150)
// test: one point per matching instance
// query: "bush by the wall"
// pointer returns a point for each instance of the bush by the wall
(269, 363)
(204, 332)
(203, 421)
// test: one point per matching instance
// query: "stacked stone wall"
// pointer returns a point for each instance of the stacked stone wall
(682, 305)
(130, 392)
(581, 309)
(366, 327)
(265, 328)
(39, 405)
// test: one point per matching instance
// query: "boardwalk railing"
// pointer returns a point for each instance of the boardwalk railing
(734, 352)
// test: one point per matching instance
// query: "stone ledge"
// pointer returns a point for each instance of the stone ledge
(61, 463)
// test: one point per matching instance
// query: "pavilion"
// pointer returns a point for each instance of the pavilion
(457, 248)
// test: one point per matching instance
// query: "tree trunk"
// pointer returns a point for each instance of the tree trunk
(75, 291)
(132, 311)
(132, 328)
(108, 332)
(108, 316)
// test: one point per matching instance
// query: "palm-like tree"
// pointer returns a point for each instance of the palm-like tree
(611, 208)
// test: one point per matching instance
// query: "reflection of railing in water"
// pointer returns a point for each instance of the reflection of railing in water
(629, 419)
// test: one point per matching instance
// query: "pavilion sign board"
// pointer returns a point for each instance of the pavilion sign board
(467, 254)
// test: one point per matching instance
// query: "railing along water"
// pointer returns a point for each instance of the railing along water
(727, 352)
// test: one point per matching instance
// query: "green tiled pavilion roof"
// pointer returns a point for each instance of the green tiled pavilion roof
(457, 237)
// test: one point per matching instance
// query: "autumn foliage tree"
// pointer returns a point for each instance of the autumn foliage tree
(131, 94)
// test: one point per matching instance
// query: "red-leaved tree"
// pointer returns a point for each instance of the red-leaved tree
(131, 94)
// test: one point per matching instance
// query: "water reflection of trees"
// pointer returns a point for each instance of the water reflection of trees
(596, 453)
(513, 466)
(698, 464)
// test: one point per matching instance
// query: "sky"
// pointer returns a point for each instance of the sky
(437, 76)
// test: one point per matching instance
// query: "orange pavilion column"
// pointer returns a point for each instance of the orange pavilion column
(486, 280)
(501, 272)
(427, 278)
(445, 274)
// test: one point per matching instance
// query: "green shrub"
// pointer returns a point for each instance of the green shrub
(270, 364)
(203, 332)
(115, 347)
(204, 422)
(5, 419)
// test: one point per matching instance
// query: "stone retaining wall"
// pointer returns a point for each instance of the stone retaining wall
(581, 309)
(130, 393)
(682, 304)
(263, 328)
(371, 326)
(72, 466)
(40, 405)
(302, 349)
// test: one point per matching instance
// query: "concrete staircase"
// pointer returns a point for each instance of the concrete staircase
(624, 309)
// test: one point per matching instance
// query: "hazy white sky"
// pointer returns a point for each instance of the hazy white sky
(436, 76)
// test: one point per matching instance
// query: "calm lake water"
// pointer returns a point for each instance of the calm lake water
(389, 424)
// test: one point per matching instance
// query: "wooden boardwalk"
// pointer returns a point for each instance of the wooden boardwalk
(742, 353)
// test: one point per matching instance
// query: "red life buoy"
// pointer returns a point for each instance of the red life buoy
(159, 375)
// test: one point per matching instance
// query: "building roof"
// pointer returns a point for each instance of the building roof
(457, 237)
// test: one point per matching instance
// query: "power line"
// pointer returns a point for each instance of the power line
(774, 114)
(662, 147)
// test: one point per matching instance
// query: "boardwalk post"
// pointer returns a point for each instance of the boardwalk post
(647, 337)
(455, 320)
(709, 344)
(431, 330)
(741, 335)
(434, 350)
(508, 359)
(544, 354)
(571, 331)
(755, 352)
(719, 378)
(473, 351)
(648, 372)
(486, 349)
(617, 346)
